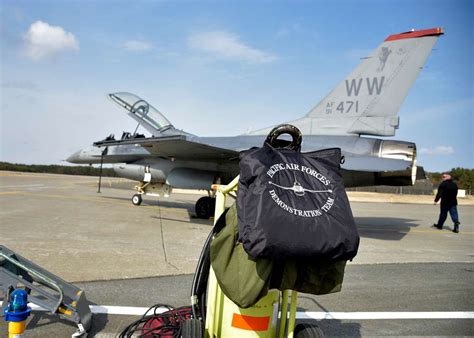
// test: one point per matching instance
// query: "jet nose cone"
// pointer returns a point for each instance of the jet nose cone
(75, 158)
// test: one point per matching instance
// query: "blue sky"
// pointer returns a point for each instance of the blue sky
(219, 68)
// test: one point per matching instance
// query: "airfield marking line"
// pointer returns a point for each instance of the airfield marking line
(9, 192)
(139, 311)
(386, 315)
(438, 232)
(24, 174)
(91, 198)
(83, 198)
(23, 186)
(7, 174)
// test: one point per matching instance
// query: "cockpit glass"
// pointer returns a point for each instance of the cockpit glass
(141, 109)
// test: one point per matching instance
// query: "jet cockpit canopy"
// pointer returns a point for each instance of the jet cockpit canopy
(142, 112)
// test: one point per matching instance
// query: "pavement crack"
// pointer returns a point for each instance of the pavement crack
(162, 235)
(163, 244)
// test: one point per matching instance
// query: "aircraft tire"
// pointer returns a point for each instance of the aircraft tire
(306, 330)
(137, 199)
(192, 328)
(205, 207)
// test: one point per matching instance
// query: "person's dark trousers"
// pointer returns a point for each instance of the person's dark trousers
(453, 212)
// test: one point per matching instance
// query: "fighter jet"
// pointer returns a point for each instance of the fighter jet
(364, 104)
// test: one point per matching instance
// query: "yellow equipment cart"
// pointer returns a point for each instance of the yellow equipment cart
(225, 319)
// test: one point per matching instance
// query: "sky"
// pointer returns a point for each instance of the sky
(219, 68)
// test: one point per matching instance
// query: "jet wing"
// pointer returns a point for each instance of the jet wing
(176, 147)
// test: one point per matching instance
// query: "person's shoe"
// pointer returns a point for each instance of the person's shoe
(456, 227)
(437, 227)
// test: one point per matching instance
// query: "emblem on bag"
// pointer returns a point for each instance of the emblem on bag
(299, 190)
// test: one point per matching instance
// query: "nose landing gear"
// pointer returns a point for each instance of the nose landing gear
(204, 206)
(137, 199)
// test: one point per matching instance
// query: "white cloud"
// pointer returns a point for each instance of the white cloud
(20, 85)
(438, 150)
(227, 46)
(43, 40)
(137, 45)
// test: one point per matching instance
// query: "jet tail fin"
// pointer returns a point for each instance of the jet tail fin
(368, 100)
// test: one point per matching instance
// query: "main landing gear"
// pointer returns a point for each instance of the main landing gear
(205, 207)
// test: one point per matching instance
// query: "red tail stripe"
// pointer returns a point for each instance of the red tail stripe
(416, 34)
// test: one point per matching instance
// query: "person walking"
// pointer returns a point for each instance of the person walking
(447, 192)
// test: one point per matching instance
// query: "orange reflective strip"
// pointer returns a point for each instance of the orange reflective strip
(250, 323)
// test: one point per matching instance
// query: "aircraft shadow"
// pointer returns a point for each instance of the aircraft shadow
(335, 327)
(155, 202)
(386, 228)
(178, 204)
(193, 220)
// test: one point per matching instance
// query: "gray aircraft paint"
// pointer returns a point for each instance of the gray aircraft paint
(366, 102)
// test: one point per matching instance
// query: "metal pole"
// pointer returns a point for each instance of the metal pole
(101, 164)
(284, 313)
(292, 319)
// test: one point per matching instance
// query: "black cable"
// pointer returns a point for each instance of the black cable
(199, 274)
(167, 323)
(174, 317)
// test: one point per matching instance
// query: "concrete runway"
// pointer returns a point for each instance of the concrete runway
(137, 256)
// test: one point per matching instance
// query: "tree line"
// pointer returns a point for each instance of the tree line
(462, 176)
(57, 169)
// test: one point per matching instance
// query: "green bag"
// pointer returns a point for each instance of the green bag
(242, 278)
(245, 280)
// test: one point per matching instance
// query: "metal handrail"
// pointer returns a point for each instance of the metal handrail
(47, 281)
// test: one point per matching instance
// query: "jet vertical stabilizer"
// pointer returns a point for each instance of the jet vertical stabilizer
(368, 100)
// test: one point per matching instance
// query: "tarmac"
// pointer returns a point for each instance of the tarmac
(130, 256)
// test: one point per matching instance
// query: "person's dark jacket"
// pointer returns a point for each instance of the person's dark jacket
(447, 191)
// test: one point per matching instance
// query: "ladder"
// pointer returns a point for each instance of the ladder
(45, 289)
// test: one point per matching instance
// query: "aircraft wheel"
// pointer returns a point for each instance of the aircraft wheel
(191, 328)
(137, 199)
(205, 207)
(305, 330)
